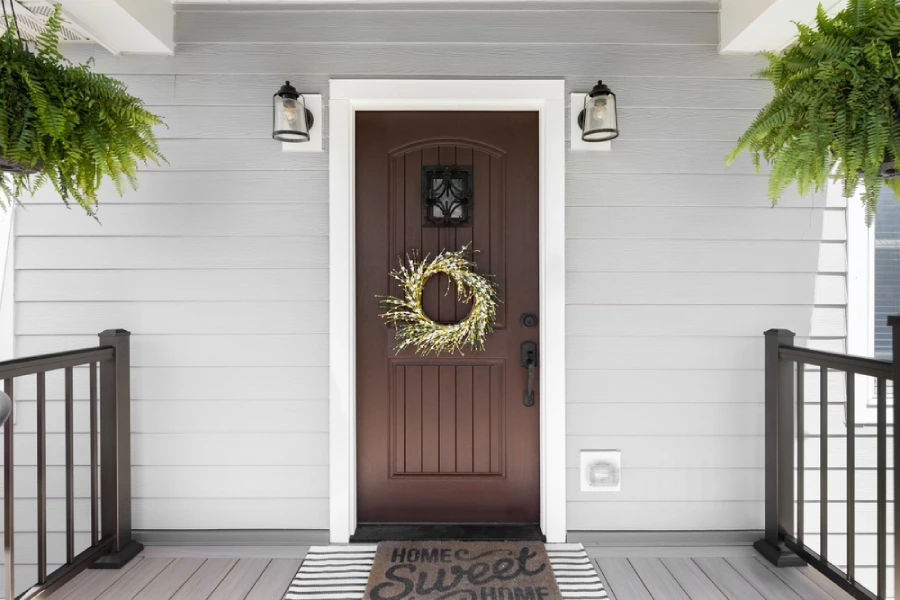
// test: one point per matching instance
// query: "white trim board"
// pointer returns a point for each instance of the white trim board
(860, 299)
(7, 283)
(547, 98)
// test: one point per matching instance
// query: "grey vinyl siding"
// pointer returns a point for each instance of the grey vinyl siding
(218, 263)
(831, 296)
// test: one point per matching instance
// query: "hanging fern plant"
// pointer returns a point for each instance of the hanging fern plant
(836, 105)
(64, 125)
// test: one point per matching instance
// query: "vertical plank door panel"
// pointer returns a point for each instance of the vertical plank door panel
(446, 437)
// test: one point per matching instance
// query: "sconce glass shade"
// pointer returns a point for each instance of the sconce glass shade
(290, 118)
(599, 121)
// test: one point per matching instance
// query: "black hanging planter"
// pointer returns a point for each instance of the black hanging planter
(7, 165)
(889, 168)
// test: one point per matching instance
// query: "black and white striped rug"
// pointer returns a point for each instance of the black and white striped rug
(341, 573)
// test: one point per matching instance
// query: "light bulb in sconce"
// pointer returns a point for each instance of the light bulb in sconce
(601, 110)
(290, 111)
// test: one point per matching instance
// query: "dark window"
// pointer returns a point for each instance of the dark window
(887, 270)
(447, 195)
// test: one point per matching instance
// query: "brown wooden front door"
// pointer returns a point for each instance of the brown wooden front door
(448, 438)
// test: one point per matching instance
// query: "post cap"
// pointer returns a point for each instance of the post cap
(115, 332)
(780, 332)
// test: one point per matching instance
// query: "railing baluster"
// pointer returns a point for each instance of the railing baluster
(851, 475)
(70, 468)
(823, 462)
(9, 495)
(801, 453)
(885, 373)
(95, 490)
(111, 544)
(42, 475)
(881, 451)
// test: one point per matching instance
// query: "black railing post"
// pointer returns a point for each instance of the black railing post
(779, 452)
(894, 323)
(115, 451)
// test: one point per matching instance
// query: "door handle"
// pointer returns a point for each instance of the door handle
(529, 361)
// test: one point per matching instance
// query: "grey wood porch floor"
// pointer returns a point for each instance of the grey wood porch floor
(633, 573)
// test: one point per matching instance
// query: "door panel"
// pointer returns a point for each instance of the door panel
(446, 438)
(462, 403)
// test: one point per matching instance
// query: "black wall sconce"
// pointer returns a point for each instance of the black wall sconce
(291, 120)
(598, 120)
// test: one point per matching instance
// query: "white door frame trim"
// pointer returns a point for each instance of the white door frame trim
(547, 98)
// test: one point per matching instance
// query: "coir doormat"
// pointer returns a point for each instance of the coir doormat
(462, 571)
(342, 573)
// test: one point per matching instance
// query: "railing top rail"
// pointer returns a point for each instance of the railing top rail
(50, 362)
(860, 365)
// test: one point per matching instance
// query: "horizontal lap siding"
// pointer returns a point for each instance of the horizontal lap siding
(831, 296)
(218, 262)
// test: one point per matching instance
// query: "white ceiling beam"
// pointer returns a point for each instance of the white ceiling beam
(126, 26)
(757, 25)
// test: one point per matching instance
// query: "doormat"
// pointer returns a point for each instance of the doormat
(343, 572)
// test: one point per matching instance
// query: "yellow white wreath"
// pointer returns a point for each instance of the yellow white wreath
(415, 328)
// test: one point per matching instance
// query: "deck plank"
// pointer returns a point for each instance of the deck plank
(130, 585)
(603, 580)
(270, 552)
(274, 581)
(764, 580)
(205, 579)
(668, 551)
(170, 580)
(732, 583)
(823, 582)
(238, 583)
(623, 579)
(658, 580)
(804, 586)
(692, 579)
(90, 583)
(264, 573)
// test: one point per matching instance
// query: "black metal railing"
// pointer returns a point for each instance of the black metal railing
(786, 367)
(110, 460)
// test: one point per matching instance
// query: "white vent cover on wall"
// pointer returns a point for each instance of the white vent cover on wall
(601, 470)
(31, 16)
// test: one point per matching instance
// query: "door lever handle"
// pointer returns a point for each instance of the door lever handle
(529, 361)
(528, 394)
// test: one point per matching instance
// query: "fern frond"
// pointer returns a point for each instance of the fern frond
(836, 107)
(82, 127)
